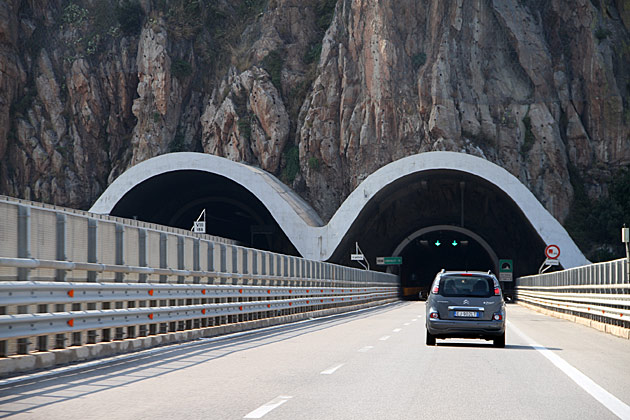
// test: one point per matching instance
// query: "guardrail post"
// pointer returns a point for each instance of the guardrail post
(234, 263)
(223, 256)
(163, 255)
(196, 264)
(211, 258)
(24, 239)
(60, 243)
(120, 251)
(142, 253)
(92, 247)
(180, 257)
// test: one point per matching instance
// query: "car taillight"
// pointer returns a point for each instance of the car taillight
(436, 289)
(434, 315)
(497, 291)
(497, 317)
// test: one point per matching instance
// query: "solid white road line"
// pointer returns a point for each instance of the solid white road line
(397, 330)
(366, 349)
(271, 405)
(618, 407)
(331, 370)
(385, 337)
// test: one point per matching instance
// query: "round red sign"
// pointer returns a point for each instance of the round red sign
(552, 252)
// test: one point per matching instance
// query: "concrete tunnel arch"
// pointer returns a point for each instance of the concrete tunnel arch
(302, 225)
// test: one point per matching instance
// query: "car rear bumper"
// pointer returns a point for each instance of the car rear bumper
(465, 329)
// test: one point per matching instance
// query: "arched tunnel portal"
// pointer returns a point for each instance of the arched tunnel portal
(442, 219)
(177, 198)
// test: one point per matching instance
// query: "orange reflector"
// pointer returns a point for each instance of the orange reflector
(203, 311)
(71, 322)
(150, 316)
(268, 291)
(71, 293)
(203, 291)
(150, 292)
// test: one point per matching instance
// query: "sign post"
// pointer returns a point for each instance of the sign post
(359, 257)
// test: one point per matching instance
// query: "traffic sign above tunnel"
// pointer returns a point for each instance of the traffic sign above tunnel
(315, 240)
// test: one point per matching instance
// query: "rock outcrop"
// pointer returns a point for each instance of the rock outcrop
(320, 92)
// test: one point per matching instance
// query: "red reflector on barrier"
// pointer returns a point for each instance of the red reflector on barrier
(240, 290)
(290, 291)
(203, 291)
(307, 291)
(150, 292)
(71, 322)
(268, 291)
(150, 316)
(71, 293)
(268, 306)
(203, 311)
(240, 307)
(322, 300)
(308, 301)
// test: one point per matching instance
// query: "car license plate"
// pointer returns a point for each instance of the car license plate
(466, 314)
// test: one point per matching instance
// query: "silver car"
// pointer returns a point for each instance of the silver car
(464, 304)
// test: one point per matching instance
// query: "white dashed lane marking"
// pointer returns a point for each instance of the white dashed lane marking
(385, 337)
(366, 349)
(261, 411)
(397, 330)
(331, 370)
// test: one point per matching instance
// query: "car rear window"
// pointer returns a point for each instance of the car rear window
(467, 286)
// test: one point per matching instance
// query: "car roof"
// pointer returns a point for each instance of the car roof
(476, 273)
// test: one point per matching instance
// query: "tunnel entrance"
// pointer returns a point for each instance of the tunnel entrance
(465, 207)
(437, 248)
(177, 198)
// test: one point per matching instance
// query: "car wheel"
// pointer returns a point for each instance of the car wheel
(499, 341)
(430, 339)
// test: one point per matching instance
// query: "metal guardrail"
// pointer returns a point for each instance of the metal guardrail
(70, 279)
(598, 291)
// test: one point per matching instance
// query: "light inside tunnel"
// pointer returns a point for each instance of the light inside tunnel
(177, 198)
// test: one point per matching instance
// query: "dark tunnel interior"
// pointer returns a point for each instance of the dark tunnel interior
(177, 199)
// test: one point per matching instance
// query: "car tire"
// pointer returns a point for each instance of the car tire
(430, 339)
(499, 341)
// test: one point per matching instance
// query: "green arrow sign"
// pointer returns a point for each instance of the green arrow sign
(438, 243)
(454, 243)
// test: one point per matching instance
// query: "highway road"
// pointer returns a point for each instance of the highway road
(371, 364)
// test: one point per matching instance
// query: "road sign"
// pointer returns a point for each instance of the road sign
(357, 257)
(505, 266)
(552, 252)
(505, 270)
(388, 260)
(552, 261)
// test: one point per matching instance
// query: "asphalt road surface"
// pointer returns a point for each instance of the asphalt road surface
(371, 364)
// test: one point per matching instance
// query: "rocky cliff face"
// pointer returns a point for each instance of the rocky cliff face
(320, 92)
